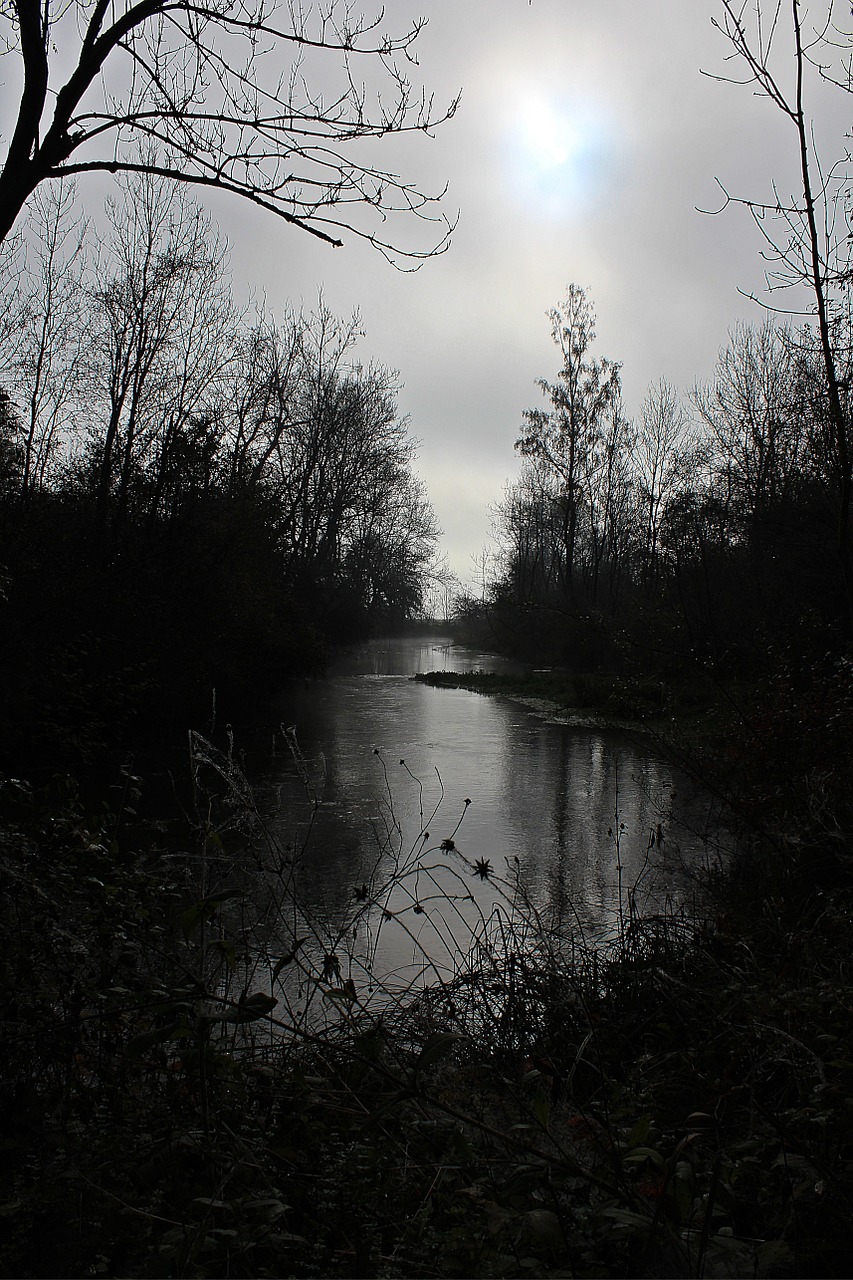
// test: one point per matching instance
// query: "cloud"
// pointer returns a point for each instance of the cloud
(585, 140)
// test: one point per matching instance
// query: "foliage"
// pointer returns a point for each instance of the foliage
(656, 548)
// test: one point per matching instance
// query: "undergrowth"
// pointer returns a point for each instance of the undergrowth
(197, 1083)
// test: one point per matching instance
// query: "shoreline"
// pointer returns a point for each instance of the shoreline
(552, 704)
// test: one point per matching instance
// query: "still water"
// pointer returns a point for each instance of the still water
(416, 819)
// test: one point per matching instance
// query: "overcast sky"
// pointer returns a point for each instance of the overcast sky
(585, 140)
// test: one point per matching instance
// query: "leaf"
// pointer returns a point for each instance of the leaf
(640, 1133)
(249, 1009)
(542, 1107)
(544, 1230)
(226, 949)
(224, 895)
(137, 1044)
(345, 993)
(273, 1208)
(436, 1048)
(288, 958)
(257, 1005)
(639, 1155)
(626, 1216)
(204, 909)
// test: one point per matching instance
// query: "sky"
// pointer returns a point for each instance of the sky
(586, 141)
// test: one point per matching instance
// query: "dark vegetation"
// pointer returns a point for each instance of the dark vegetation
(199, 1081)
(641, 702)
(194, 1086)
(192, 497)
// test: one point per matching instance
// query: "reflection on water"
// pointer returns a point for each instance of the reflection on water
(555, 808)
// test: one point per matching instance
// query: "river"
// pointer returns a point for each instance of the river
(417, 822)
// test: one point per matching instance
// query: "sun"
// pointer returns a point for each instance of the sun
(558, 152)
(547, 134)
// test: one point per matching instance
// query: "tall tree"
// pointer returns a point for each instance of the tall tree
(661, 464)
(807, 236)
(45, 361)
(566, 436)
(270, 101)
(751, 412)
(162, 320)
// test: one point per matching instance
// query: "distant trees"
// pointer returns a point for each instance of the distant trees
(161, 326)
(184, 483)
(271, 102)
(46, 354)
(755, 430)
(663, 460)
(807, 236)
(687, 533)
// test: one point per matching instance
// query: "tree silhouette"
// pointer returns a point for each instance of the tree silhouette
(278, 104)
(807, 237)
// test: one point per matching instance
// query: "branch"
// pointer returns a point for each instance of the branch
(34, 55)
(176, 175)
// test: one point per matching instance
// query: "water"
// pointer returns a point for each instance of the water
(557, 817)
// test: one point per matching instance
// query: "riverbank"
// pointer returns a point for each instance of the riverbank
(588, 700)
(681, 1105)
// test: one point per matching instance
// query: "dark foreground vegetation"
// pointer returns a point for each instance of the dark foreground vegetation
(193, 1086)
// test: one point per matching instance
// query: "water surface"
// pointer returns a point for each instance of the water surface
(570, 819)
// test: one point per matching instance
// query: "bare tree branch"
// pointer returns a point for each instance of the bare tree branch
(802, 238)
(252, 97)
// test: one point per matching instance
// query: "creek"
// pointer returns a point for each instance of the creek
(414, 820)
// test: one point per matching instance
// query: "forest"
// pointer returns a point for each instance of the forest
(711, 533)
(195, 497)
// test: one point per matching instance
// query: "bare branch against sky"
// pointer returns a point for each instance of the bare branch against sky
(586, 140)
(278, 104)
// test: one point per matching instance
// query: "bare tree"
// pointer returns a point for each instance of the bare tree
(44, 362)
(276, 103)
(528, 529)
(262, 398)
(162, 322)
(567, 435)
(751, 411)
(807, 236)
(606, 492)
(659, 464)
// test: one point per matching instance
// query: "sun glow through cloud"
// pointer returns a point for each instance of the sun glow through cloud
(558, 152)
(550, 137)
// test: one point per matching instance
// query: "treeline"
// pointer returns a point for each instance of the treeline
(192, 495)
(703, 534)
